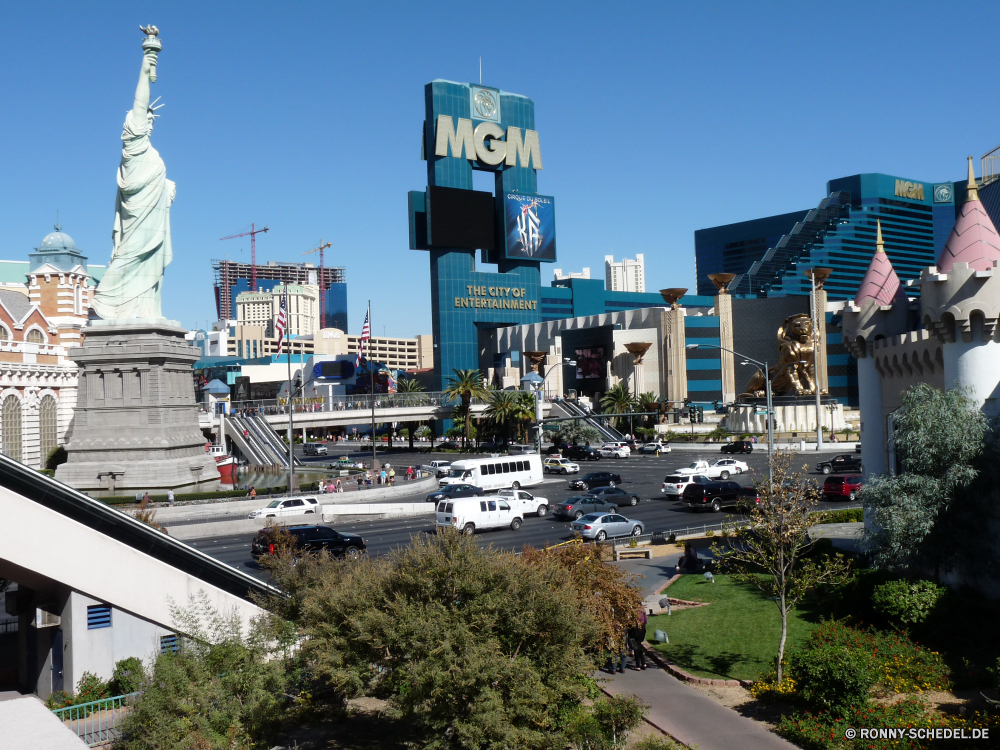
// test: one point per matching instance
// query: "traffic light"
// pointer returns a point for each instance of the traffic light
(701, 414)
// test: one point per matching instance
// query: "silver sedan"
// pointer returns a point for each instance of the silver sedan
(600, 526)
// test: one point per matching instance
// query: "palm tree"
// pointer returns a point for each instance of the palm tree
(525, 412)
(408, 386)
(649, 402)
(618, 400)
(466, 385)
(500, 410)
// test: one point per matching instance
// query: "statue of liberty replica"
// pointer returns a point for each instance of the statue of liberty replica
(135, 426)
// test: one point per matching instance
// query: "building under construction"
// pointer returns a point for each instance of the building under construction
(232, 277)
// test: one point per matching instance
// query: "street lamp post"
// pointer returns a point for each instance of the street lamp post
(770, 411)
(534, 382)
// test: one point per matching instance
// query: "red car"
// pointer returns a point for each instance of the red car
(838, 488)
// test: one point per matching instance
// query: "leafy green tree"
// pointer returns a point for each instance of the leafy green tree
(501, 410)
(473, 647)
(524, 413)
(466, 386)
(618, 400)
(931, 513)
(771, 552)
(408, 387)
(577, 432)
(649, 402)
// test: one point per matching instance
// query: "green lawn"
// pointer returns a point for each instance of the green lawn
(735, 637)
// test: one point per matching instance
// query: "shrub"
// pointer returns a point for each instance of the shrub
(56, 457)
(834, 677)
(849, 515)
(91, 688)
(656, 743)
(607, 725)
(908, 602)
(59, 699)
(128, 676)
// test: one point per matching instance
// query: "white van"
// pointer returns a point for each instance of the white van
(496, 473)
(472, 514)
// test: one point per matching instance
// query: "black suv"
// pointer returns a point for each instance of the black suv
(310, 539)
(581, 453)
(738, 446)
(844, 462)
(615, 495)
(595, 479)
(714, 495)
(450, 491)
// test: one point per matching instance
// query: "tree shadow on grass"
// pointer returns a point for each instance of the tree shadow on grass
(809, 607)
(691, 659)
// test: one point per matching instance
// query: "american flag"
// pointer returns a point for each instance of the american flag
(282, 322)
(366, 334)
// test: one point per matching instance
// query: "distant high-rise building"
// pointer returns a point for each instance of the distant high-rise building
(232, 278)
(261, 309)
(558, 275)
(625, 275)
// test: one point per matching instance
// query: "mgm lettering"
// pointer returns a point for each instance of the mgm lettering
(496, 298)
(913, 190)
(515, 151)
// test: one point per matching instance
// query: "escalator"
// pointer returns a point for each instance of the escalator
(270, 437)
(572, 409)
(257, 442)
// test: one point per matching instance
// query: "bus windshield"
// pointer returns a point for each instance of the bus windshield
(459, 473)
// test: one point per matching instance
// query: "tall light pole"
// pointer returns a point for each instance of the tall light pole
(536, 383)
(767, 381)
(817, 276)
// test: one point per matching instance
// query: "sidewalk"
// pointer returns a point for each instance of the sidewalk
(689, 716)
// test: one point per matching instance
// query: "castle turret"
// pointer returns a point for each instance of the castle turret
(960, 302)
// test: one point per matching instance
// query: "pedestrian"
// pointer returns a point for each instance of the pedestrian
(636, 636)
(368, 481)
(392, 477)
(145, 498)
(729, 440)
(361, 480)
(382, 477)
(322, 487)
(170, 497)
(340, 487)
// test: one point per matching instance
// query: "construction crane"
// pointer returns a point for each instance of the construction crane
(253, 251)
(322, 281)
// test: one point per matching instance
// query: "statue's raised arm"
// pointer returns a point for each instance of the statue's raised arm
(141, 236)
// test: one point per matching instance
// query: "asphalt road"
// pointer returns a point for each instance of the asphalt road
(642, 475)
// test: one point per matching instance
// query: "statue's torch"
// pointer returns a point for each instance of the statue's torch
(152, 44)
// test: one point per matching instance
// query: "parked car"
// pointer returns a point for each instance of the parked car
(839, 488)
(581, 453)
(595, 479)
(844, 462)
(451, 491)
(560, 466)
(310, 539)
(738, 446)
(473, 514)
(674, 484)
(600, 526)
(714, 495)
(616, 495)
(291, 506)
(525, 502)
(655, 448)
(437, 468)
(613, 450)
(749, 498)
(581, 505)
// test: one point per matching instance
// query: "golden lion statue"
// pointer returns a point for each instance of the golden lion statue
(795, 372)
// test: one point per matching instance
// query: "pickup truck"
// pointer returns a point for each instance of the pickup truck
(721, 469)
(844, 462)
(524, 503)
(437, 468)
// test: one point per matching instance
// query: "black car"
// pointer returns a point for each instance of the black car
(448, 446)
(450, 491)
(581, 453)
(843, 462)
(749, 498)
(581, 505)
(615, 495)
(595, 479)
(310, 539)
(738, 446)
(714, 495)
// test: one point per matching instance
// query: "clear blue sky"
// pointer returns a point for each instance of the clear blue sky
(655, 120)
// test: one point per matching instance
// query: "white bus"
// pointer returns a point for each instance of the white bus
(496, 473)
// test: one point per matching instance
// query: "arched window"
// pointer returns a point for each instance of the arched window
(47, 428)
(4, 335)
(35, 337)
(12, 427)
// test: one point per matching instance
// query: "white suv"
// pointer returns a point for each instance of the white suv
(560, 466)
(292, 506)
(674, 484)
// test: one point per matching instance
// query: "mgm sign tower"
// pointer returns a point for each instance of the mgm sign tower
(477, 127)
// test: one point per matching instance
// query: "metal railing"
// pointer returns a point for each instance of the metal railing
(8, 626)
(361, 402)
(96, 722)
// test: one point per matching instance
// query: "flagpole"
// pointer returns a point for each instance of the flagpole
(371, 372)
(291, 431)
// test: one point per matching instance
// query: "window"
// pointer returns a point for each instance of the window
(482, 506)
(492, 504)
(98, 616)
(11, 421)
(506, 468)
(35, 337)
(48, 433)
(4, 335)
(170, 644)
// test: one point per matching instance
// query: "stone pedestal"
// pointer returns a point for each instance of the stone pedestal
(135, 425)
(791, 414)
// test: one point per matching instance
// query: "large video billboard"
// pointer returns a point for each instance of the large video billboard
(530, 226)
(590, 363)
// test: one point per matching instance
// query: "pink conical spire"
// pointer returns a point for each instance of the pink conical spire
(974, 239)
(880, 282)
